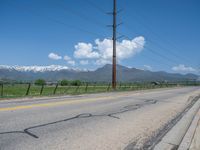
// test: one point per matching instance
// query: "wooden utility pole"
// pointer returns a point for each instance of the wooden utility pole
(114, 46)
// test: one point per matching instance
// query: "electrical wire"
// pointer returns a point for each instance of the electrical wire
(28, 10)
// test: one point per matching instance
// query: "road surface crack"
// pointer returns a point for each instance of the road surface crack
(84, 115)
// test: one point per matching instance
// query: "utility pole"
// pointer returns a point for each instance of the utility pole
(114, 46)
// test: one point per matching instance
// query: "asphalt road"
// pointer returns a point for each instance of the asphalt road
(109, 121)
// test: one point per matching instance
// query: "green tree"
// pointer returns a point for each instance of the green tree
(64, 82)
(40, 82)
(76, 83)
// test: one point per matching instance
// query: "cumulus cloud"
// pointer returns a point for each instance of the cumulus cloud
(183, 68)
(147, 67)
(102, 51)
(54, 56)
(84, 62)
(85, 50)
(69, 60)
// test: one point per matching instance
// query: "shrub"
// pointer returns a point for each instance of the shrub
(76, 83)
(64, 82)
(40, 82)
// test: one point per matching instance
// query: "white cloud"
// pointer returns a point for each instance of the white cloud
(71, 62)
(84, 62)
(67, 58)
(102, 61)
(54, 56)
(147, 67)
(183, 68)
(85, 50)
(125, 49)
(102, 51)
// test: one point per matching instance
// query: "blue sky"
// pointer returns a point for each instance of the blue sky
(159, 35)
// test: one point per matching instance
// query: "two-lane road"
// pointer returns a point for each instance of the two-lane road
(118, 120)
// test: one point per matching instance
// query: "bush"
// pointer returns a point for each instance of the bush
(40, 82)
(64, 82)
(76, 83)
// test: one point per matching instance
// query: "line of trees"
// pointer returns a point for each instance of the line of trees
(68, 82)
(40, 82)
(62, 82)
(65, 82)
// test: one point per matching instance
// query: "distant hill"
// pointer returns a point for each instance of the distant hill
(103, 74)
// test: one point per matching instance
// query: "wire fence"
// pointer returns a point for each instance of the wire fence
(29, 89)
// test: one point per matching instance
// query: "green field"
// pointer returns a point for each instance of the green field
(22, 90)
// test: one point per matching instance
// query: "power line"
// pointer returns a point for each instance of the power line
(28, 10)
(97, 34)
(166, 50)
(101, 10)
(159, 45)
(162, 47)
(164, 63)
(153, 51)
(80, 15)
(148, 29)
(96, 6)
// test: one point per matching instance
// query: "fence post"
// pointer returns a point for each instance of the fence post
(54, 92)
(28, 89)
(2, 90)
(41, 90)
(108, 88)
(86, 87)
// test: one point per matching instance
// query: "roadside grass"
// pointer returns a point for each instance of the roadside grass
(22, 90)
(10, 90)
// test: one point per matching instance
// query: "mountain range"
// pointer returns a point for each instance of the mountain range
(103, 74)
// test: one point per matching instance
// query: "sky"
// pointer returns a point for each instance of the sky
(156, 35)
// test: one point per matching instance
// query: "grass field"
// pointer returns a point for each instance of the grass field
(21, 90)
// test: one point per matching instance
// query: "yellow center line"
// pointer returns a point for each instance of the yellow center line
(67, 101)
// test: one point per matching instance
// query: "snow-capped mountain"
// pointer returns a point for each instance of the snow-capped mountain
(36, 68)
(103, 74)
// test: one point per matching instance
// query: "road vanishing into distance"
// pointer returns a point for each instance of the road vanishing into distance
(106, 121)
